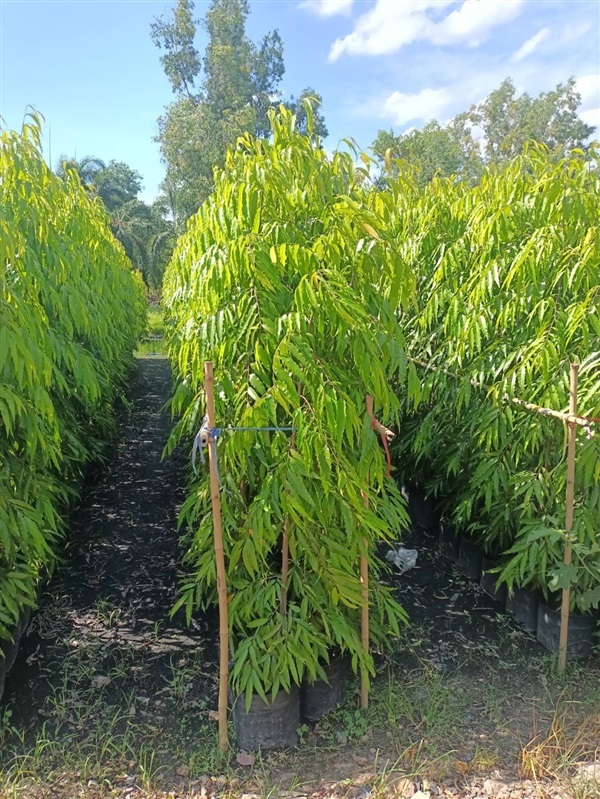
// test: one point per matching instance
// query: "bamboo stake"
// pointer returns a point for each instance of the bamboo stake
(582, 421)
(566, 594)
(364, 563)
(285, 559)
(285, 550)
(364, 581)
(215, 498)
(364, 621)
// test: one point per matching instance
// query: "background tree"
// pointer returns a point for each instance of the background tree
(147, 232)
(298, 108)
(506, 122)
(448, 150)
(87, 168)
(219, 97)
(117, 184)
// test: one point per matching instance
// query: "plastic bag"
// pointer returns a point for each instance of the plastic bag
(403, 559)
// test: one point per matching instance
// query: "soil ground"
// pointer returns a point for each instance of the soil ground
(110, 696)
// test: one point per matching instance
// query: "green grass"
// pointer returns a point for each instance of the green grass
(421, 725)
(151, 344)
(155, 321)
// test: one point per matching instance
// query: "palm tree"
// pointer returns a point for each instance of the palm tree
(131, 224)
(87, 168)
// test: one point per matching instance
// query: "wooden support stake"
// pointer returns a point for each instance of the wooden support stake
(364, 622)
(285, 548)
(215, 498)
(285, 560)
(566, 594)
(364, 581)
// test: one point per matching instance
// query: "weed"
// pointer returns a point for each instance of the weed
(302, 731)
(345, 724)
(183, 673)
(153, 344)
(106, 614)
(566, 741)
(6, 727)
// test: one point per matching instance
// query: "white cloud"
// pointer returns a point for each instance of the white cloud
(572, 33)
(588, 86)
(592, 117)
(327, 8)
(387, 27)
(531, 45)
(472, 23)
(425, 105)
(392, 24)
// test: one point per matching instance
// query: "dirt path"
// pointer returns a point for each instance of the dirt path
(103, 639)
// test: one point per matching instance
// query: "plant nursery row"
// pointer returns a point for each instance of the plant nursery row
(310, 286)
(507, 298)
(70, 312)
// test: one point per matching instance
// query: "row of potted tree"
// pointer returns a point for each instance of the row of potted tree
(287, 281)
(71, 310)
(508, 280)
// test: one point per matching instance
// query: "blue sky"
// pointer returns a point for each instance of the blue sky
(90, 67)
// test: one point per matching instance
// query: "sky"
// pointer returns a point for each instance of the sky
(90, 67)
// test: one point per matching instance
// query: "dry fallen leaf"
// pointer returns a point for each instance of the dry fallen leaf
(245, 759)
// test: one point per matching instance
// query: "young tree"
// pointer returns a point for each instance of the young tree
(298, 108)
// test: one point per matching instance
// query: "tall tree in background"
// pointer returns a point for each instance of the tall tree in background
(218, 97)
(88, 168)
(435, 149)
(117, 184)
(506, 123)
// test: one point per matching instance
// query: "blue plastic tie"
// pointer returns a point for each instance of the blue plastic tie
(213, 434)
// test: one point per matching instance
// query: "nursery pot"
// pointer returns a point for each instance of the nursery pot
(320, 697)
(449, 541)
(523, 604)
(11, 648)
(422, 510)
(488, 582)
(2, 675)
(24, 620)
(269, 725)
(469, 559)
(580, 636)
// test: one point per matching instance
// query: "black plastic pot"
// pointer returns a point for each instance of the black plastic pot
(469, 559)
(2, 675)
(580, 637)
(422, 510)
(489, 579)
(449, 541)
(523, 605)
(24, 620)
(319, 698)
(267, 726)
(10, 649)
